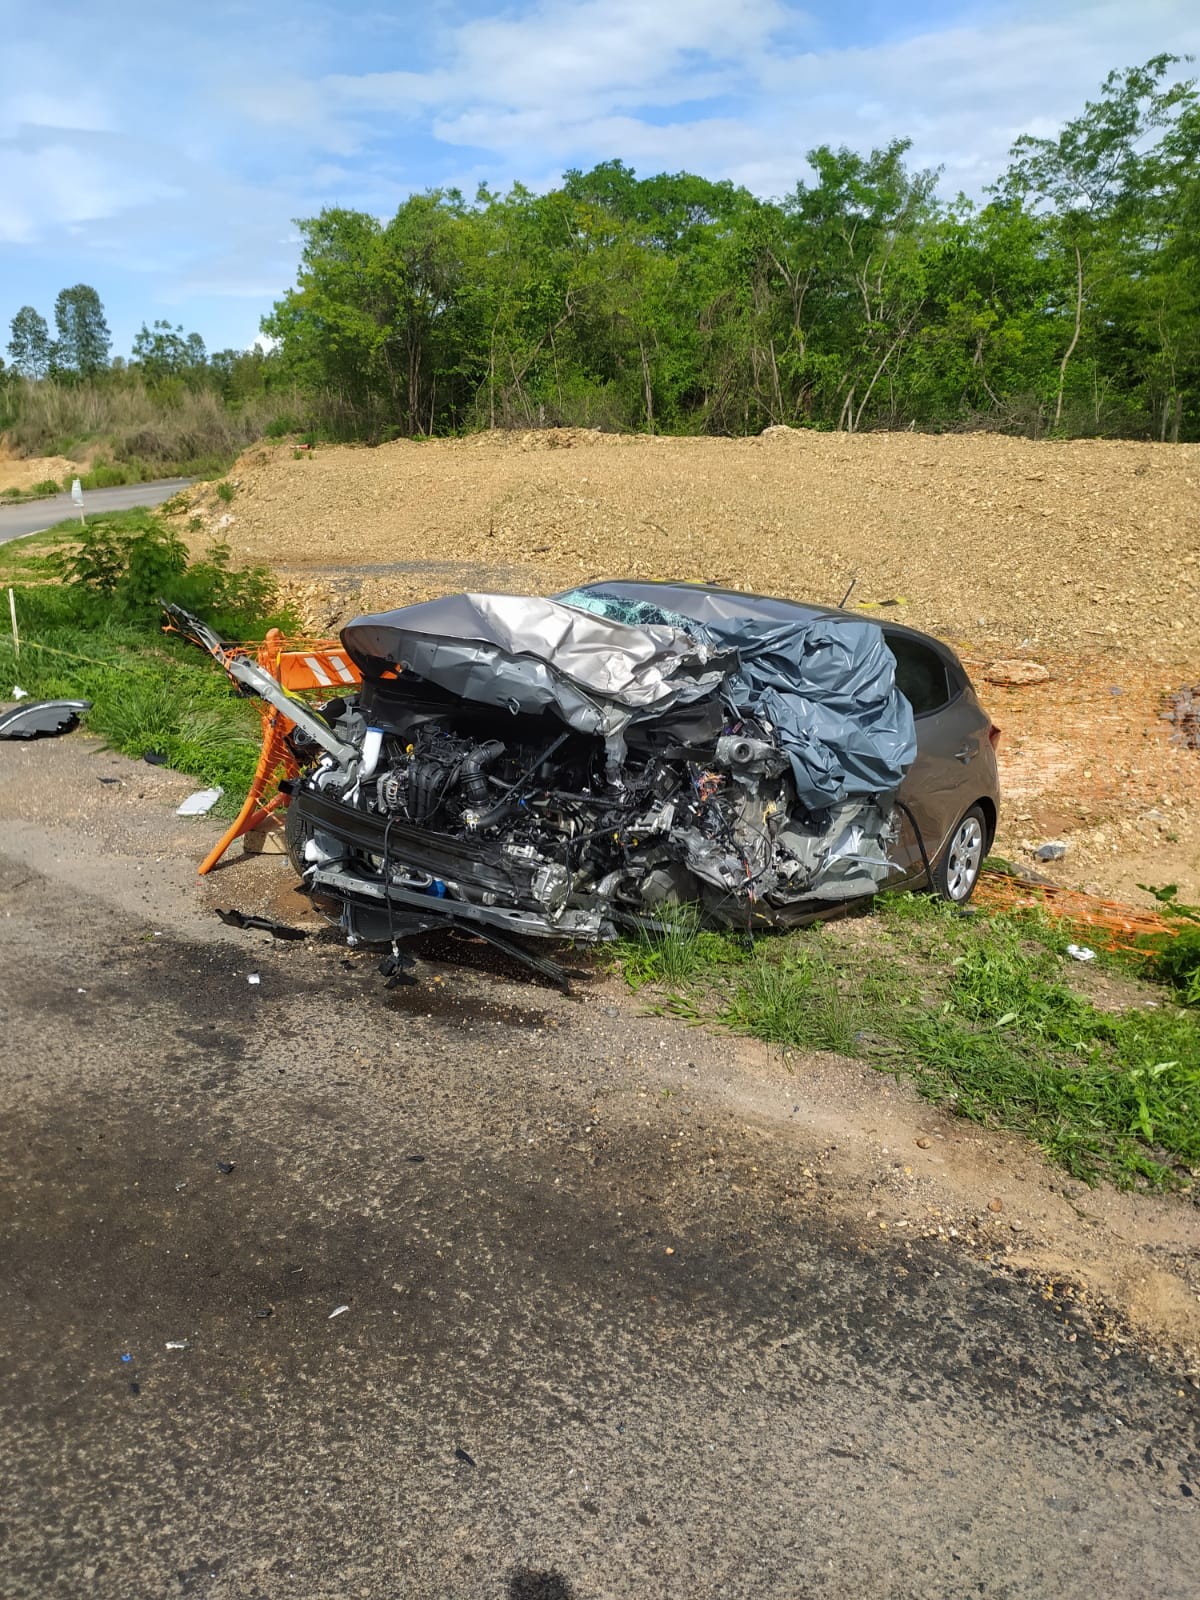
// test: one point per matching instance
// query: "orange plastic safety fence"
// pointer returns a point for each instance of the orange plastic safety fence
(1119, 925)
(301, 666)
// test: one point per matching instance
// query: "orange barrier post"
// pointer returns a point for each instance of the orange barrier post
(299, 667)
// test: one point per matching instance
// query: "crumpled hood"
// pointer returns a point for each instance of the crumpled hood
(527, 654)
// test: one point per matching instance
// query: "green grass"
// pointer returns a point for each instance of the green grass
(979, 1012)
(149, 691)
(145, 694)
(39, 491)
(675, 950)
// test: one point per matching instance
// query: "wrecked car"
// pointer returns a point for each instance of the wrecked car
(562, 768)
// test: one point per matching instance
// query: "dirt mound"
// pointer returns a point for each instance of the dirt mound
(23, 472)
(1006, 546)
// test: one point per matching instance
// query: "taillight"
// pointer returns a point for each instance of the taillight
(993, 735)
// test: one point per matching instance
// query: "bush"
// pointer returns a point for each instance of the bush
(105, 476)
(279, 427)
(47, 486)
(225, 491)
(119, 567)
(146, 431)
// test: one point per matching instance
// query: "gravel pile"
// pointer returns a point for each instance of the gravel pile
(1006, 546)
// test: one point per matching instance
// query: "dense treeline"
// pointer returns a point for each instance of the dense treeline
(1069, 302)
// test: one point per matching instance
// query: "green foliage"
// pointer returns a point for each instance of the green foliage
(148, 691)
(29, 344)
(120, 566)
(104, 475)
(980, 1014)
(96, 634)
(166, 352)
(83, 340)
(145, 430)
(225, 491)
(1069, 302)
(1176, 959)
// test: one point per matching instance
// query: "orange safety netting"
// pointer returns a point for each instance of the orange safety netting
(300, 666)
(1118, 924)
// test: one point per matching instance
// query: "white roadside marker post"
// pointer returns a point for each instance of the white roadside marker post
(77, 500)
(12, 611)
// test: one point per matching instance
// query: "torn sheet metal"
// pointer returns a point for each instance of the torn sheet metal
(36, 719)
(527, 655)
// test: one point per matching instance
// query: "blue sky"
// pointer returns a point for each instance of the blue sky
(160, 151)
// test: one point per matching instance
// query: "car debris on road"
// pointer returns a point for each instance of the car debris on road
(39, 719)
(200, 803)
(242, 919)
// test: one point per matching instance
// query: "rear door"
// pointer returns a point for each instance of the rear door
(952, 733)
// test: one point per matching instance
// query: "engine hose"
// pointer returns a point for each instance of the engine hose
(900, 806)
(492, 816)
(471, 767)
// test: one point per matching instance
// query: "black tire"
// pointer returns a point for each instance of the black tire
(956, 871)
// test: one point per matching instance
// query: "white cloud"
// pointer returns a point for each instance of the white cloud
(57, 181)
(565, 82)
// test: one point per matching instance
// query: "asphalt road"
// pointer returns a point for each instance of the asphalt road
(34, 515)
(483, 1291)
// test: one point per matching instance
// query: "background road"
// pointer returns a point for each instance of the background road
(16, 521)
(606, 1330)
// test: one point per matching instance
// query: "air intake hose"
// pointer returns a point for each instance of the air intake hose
(470, 772)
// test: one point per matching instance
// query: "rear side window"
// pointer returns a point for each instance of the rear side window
(921, 675)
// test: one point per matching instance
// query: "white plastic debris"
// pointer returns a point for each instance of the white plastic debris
(19, 693)
(337, 1311)
(253, 977)
(177, 1344)
(200, 803)
(1080, 952)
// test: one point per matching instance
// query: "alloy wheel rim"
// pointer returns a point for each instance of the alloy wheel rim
(966, 856)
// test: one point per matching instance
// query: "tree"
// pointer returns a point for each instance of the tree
(164, 352)
(29, 346)
(857, 237)
(83, 338)
(1094, 178)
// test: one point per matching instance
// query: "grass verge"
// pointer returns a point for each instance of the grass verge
(149, 691)
(976, 1011)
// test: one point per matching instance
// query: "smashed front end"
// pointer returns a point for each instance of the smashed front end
(521, 766)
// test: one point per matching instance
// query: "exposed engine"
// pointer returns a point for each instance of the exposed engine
(534, 830)
(517, 765)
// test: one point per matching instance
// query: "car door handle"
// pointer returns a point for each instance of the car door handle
(967, 753)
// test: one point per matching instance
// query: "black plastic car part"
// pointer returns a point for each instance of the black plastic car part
(40, 719)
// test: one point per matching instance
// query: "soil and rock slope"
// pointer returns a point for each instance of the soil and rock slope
(1083, 555)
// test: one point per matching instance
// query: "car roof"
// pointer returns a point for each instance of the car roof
(674, 596)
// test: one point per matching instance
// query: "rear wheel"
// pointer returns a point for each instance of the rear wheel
(956, 871)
